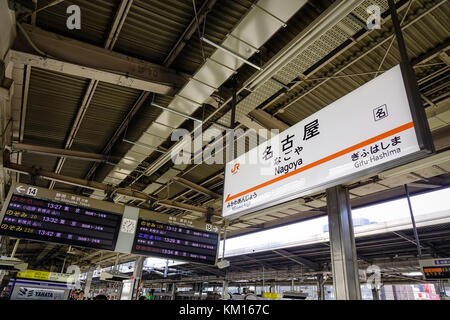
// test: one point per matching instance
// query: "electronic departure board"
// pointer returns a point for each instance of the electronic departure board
(436, 269)
(176, 242)
(435, 273)
(31, 216)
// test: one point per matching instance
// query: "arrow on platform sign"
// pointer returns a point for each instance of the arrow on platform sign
(20, 189)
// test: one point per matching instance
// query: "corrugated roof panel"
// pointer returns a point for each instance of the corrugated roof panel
(219, 22)
(152, 28)
(96, 19)
(73, 168)
(421, 36)
(109, 106)
(200, 172)
(53, 101)
(38, 161)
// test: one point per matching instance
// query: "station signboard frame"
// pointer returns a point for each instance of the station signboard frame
(320, 151)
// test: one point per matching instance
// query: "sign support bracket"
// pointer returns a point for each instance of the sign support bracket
(416, 236)
(419, 116)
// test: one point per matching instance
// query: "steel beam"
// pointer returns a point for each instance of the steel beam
(82, 110)
(421, 244)
(117, 24)
(196, 187)
(183, 194)
(23, 112)
(77, 58)
(267, 120)
(185, 206)
(48, 175)
(189, 31)
(299, 260)
(79, 155)
(49, 247)
(260, 262)
(79, 70)
(136, 107)
(445, 58)
(261, 130)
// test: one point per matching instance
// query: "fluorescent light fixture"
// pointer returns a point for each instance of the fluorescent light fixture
(230, 53)
(175, 112)
(142, 145)
(413, 274)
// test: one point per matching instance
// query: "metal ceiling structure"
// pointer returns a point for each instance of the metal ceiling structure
(109, 88)
(393, 252)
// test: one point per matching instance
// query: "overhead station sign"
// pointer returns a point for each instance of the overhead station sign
(368, 130)
(47, 215)
(176, 238)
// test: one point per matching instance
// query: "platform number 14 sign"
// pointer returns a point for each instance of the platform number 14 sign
(32, 191)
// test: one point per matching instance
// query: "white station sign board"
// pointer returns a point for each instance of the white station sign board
(352, 137)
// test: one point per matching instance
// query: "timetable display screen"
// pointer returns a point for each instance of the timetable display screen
(174, 242)
(51, 221)
(437, 272)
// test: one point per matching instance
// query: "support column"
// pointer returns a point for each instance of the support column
(225, 290)
(230, 132)
(116, 262)
(342, 244)
(413, 221)
(320, 287)
(16, 245)
(137, 274)
(87, 286)
(166, 269)
(375, 295)
(173, 289)
(441, 287)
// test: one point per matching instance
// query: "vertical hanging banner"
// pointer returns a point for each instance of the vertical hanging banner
(367, 131)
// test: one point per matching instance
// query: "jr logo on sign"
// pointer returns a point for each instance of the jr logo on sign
(235, 168)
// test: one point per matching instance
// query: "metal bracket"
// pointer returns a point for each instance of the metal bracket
(34, 175)
(2, 71)
(109, 194)
(209, 214)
